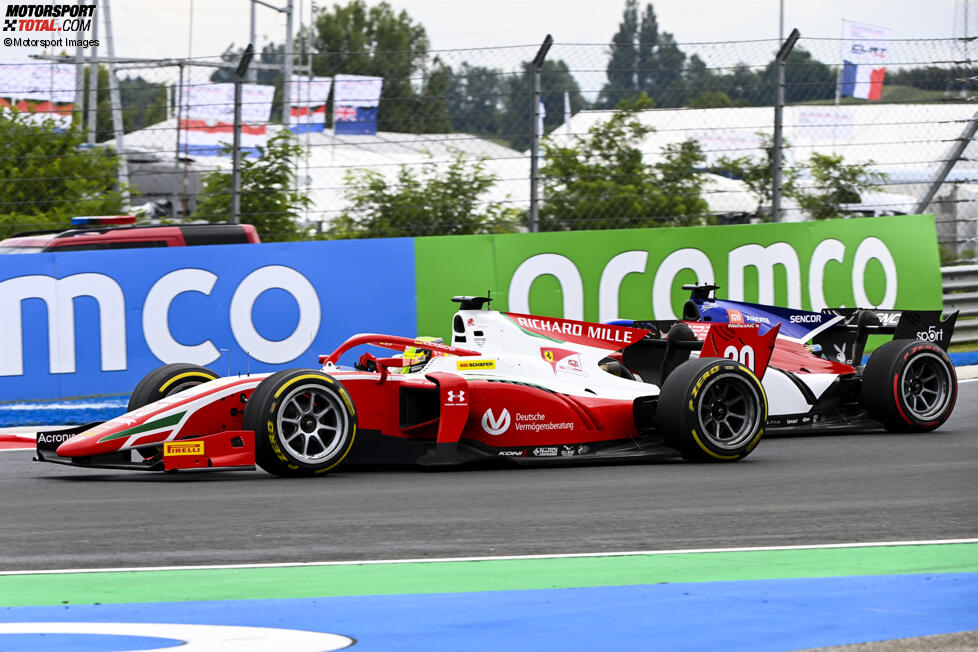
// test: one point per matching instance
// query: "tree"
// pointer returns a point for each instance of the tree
(643, 60)
(623, 59)
(805, 78)
(473, 100)
(432, 111)
(358, 40)
(268, 196)
(601, 181)
(143, 103)
(835, 183)
(757, 176)
(712, 100)
(47, 177)
(432, 202)
(517, 117)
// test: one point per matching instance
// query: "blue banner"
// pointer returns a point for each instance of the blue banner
(95, 322)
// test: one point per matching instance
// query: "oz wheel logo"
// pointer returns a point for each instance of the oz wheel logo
(495, 426)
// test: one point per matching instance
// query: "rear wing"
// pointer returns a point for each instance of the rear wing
(654, 358)
(846, 341)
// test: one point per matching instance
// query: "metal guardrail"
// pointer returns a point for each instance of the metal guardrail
(961, 293)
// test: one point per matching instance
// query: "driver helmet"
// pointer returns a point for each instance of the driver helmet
(416, 357)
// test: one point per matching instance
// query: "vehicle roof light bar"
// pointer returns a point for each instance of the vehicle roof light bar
(101, 220)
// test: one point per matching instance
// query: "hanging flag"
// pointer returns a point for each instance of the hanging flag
(864, 60)
(208, 118)
(197, 138)
(355, 102)
(44, 91)
(214, 103)
(309, 96)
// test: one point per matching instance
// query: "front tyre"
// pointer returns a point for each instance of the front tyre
(167, 380)
(712, 410)
(304, 423)
(909, 386)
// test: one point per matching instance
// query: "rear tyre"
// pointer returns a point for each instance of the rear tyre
(304, 423)
(712, 410)
(909, 386)
(166, 380)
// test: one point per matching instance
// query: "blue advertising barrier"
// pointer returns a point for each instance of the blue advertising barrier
(92, 323)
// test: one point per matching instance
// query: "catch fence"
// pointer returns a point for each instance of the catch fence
(439, 108)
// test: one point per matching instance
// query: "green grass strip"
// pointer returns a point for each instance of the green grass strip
(470, 576)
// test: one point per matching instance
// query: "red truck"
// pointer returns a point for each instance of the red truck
(120, 232)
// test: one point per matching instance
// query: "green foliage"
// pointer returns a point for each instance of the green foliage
(623, 59)
(950, 256)
(642, 58)
(355, 39)
(473, 100)
(517, 115)
(432, 115)
(268, 197)
(713, 100)
(835, 183)
(143, 103)
(756, 175)
(601, 181)
(47, 177)
(433, 202)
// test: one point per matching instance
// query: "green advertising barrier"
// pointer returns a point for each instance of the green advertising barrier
(884, 262)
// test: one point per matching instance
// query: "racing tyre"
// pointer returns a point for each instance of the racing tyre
(304, 423)
(166, 380)
(712, 410)
(909, 386)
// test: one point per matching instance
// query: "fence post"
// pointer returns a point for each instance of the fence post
(956, 152)
(782, 55)
(287, 69)
(535, 140)
(239, 77)
(116, 102)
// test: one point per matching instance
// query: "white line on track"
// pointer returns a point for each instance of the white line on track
(579, 555)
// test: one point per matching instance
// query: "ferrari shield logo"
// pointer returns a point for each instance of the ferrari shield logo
(563, 360)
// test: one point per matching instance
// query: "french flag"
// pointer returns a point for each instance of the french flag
(862, 81)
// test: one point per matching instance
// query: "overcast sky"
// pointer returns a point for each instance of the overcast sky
(162, 29)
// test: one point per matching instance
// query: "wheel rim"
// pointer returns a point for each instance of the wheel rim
(311, 424)
(728, 411)
(926, 386)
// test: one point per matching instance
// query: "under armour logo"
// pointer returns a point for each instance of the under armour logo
(495, 426)
(9, 24)
(460, 395)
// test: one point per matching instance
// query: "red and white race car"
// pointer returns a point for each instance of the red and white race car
(510, 386)
(521, 388)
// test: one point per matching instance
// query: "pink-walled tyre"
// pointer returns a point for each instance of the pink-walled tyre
(909, 386)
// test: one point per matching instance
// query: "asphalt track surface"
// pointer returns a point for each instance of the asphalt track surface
(790, 491)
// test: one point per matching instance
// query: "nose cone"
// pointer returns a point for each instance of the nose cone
(86, 443)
